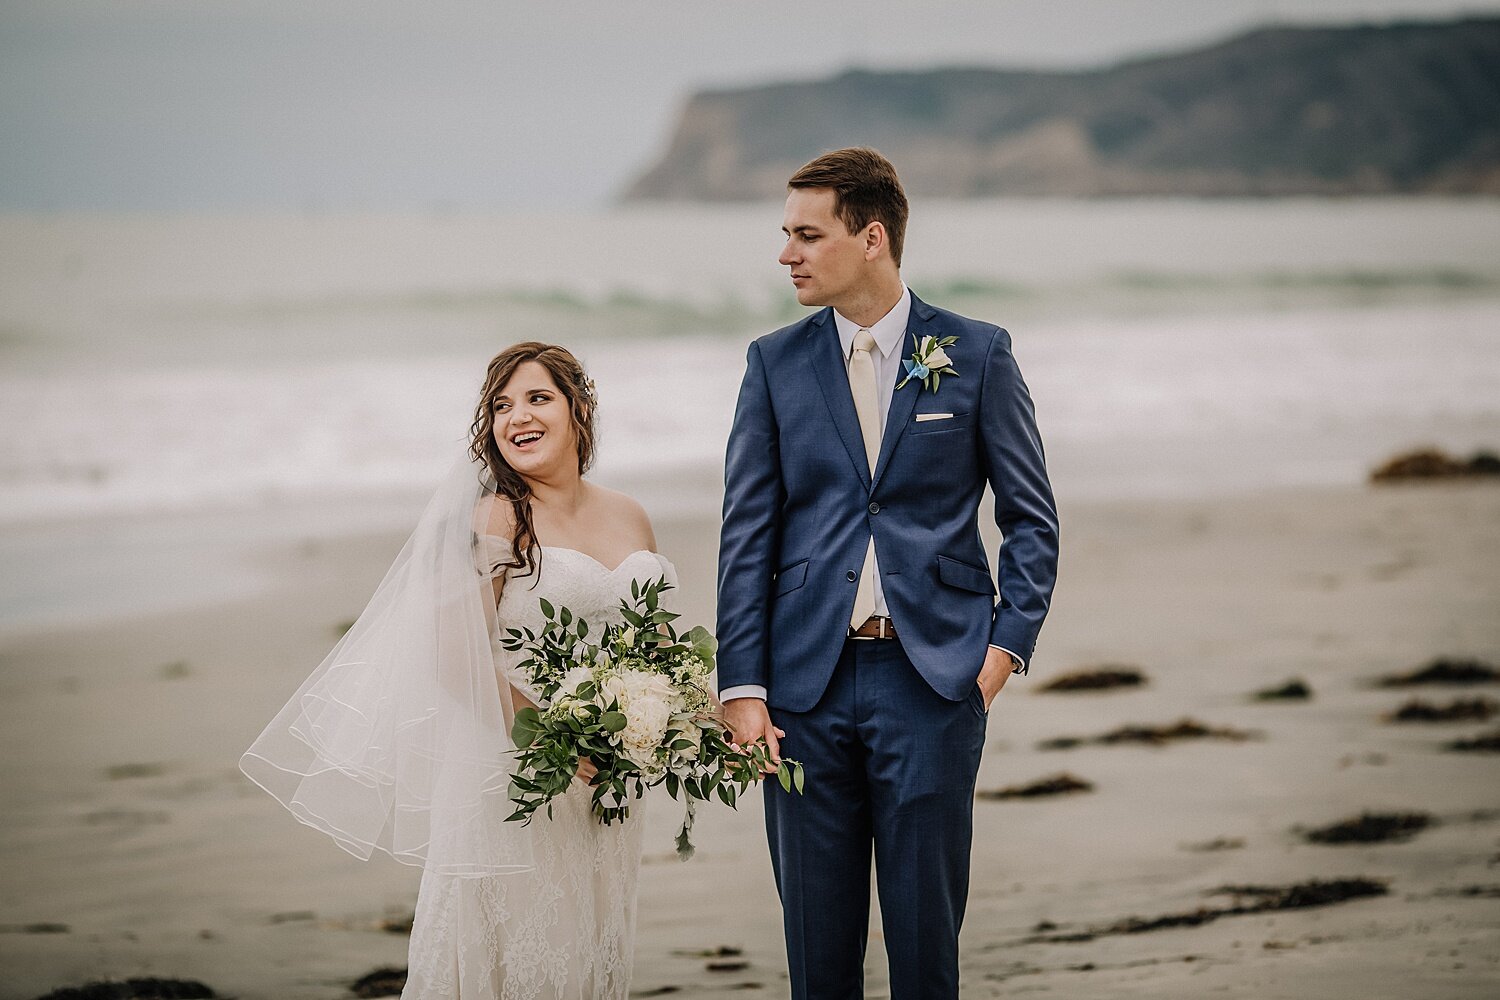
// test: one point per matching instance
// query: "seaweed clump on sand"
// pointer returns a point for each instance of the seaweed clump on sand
(1458, 710)
(1371, 828)
(1444, 671)
(149, 988)
(1433, 463)
(1216, 844)
(398, 925)
(1096, 679)
(1483, 743)
(1058, 784)
(385, 981)
(1247, 899)
(1295, 689)
(1156, 736)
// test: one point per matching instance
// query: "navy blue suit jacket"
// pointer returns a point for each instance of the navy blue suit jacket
(800, 506)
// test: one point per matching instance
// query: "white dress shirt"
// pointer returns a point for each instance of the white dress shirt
(889, 332)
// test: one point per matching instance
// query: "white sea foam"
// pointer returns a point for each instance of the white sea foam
(1172, 347)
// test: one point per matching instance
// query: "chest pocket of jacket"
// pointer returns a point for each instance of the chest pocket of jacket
(956, 422)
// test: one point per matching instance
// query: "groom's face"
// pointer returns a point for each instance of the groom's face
(827, 262)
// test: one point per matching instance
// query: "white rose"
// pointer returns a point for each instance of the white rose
(693, 735)
(938, 359)
(612, 688)
(573, 680)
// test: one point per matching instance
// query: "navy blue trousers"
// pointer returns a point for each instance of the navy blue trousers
(891, 766)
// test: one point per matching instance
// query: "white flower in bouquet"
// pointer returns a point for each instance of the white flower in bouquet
(571, 681)
(646, 700)
(688, 732)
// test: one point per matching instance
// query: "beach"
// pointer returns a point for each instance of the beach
(220, 430)
(134, 846)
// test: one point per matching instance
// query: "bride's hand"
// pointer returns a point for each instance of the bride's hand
(586, 770)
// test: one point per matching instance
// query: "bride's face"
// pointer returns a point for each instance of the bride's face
(534, 424)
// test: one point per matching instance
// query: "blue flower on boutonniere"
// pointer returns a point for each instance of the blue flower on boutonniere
(929, 362)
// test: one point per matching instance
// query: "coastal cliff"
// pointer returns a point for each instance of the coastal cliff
(1401, 108)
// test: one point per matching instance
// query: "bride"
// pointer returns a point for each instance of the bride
(400, 739)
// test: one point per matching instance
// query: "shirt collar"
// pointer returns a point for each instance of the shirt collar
(888, 330)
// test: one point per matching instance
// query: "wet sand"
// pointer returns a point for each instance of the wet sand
(132, 845)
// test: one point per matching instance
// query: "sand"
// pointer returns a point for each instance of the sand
(128, 824)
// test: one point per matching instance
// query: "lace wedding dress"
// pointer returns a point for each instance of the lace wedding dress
(564, 930)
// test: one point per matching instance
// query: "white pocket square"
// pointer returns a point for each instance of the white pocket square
(933, 416)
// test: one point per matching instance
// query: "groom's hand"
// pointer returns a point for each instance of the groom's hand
(749, 722)
(993, 675)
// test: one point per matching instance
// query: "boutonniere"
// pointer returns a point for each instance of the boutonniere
(929, 362)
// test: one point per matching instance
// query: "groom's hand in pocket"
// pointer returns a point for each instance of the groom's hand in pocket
(749, 723)
(993, 675)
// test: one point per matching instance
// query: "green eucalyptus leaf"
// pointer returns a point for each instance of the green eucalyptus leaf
(526, 728)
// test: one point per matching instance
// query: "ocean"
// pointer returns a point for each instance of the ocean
(294, 375)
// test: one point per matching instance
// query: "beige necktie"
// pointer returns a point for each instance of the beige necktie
(862, 385)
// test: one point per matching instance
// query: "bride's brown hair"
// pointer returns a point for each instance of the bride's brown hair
(578, 389)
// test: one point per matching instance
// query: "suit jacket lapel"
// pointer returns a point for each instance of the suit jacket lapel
(833, 380)
(904, 400)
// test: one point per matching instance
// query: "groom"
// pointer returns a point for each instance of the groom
(860, 631)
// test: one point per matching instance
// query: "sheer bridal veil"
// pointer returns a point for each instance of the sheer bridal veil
(400, 739)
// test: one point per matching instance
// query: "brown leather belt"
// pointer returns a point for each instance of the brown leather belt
(874, 627)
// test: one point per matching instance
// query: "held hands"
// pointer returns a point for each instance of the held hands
(993, 675)
(749, 722)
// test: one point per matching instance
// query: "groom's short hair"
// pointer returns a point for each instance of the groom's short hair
(865, 189)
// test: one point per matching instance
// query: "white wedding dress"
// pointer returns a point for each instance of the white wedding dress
(564, 930)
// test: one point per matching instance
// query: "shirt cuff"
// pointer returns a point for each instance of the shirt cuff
(743, 691)
(1020, 664)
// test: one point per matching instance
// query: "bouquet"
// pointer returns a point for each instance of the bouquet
(635, 701)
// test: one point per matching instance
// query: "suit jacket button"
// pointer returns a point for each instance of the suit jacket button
(874, 508)
(851, 576)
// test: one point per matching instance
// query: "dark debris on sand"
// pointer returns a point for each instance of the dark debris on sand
(1444, 671)
(1472, 892)
(1156, 736)
(1433, 463)
(1458, 710)
(1483, 743)
(1371, 828)
(385, 981)
(1096, 679)
(1295, 689)
(133, 989)
(1247, 899)
(1217, 844)
(722, 951)
(1058, 784)
(398, 925)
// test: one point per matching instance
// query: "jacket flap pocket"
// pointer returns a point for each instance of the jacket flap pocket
(791, 578)
(964, 577)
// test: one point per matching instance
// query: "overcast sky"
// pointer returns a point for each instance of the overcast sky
(489, 104)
